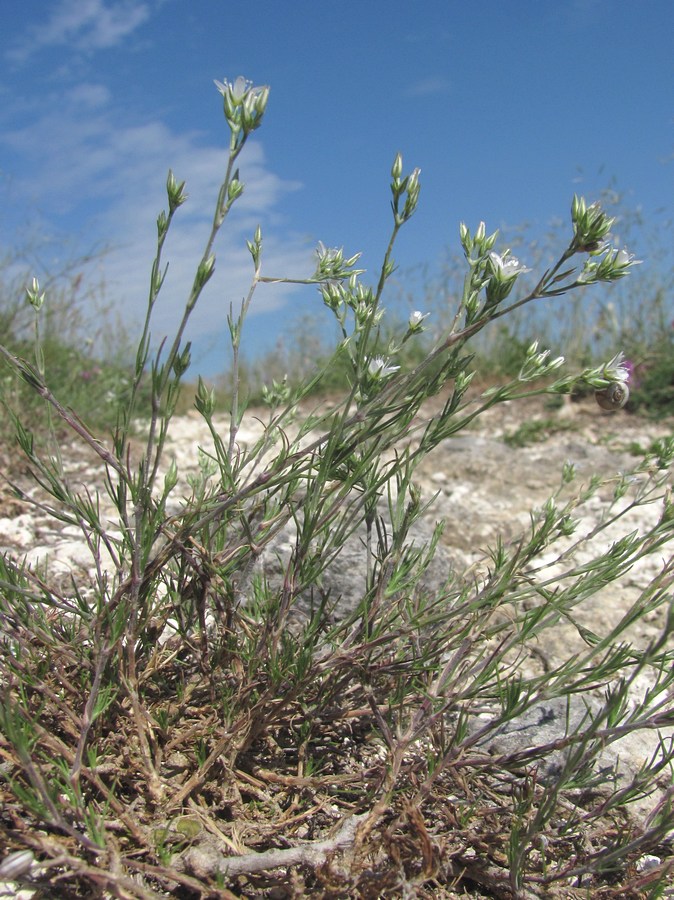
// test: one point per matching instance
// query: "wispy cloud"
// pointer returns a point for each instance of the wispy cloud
(95, 174)
(85, 24)
(428, 87)
(105, 178)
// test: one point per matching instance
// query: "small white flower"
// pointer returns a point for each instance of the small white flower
(624, 259)
(507, 266)
(416, 318)
(243, 92)
(378, 368)
(323, 252)
(236, 91)
(615, 370)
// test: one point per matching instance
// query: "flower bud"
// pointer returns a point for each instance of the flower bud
(413, 188)
(176, 192)
(590, 225)
(262, 100)
(35, 298)
(249, 112)
(182, 361)
(255, 246)
(162, 224)
(171, 477)
(204, 400)
(333, 296)
(204, 271)
(234, 190)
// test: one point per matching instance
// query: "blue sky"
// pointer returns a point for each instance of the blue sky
(508, 108)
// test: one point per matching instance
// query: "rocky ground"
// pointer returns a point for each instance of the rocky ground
(486, 482)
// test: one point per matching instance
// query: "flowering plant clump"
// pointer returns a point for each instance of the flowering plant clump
(272, 678)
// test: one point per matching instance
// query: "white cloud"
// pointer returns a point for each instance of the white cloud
(90, 96)
(86, 24)
(427, 87)
(104, 179)
(96, 176)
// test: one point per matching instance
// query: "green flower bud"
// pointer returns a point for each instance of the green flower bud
(255, 246)
(413, 189)
(204, 271)
(182, 361)
(204, 400)
(332, 266)
(171, 477)
(277, 394)
(35, 298)
(333, 295)
(591, 225)
(234, 190)
(176, 192)
(162, 224)
(464, 235)
(536, 364)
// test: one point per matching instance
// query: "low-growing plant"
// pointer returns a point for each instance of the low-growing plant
(532, 431)
(653, 378)
(211, 714)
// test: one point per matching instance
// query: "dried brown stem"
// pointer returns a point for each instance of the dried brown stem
(206, 861)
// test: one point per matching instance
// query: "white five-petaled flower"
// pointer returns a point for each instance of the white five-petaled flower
(624, 258)
(378, 367)
(615, 368)
(240, 90)
(416, 318)
(323, 252)
(507, 266)
(236, 91)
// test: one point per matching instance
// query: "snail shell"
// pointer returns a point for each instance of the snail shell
(613, 397)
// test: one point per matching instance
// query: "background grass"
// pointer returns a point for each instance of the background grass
(89, 358)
